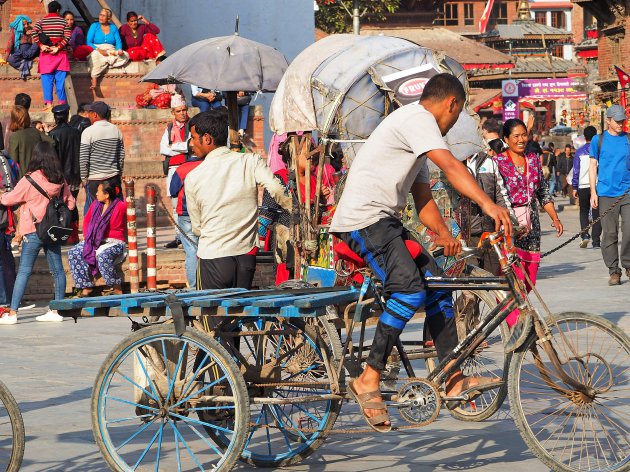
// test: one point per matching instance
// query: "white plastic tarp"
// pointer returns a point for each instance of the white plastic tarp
(335, 86)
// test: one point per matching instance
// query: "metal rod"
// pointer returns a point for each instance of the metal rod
(149, 193)
(132, 236)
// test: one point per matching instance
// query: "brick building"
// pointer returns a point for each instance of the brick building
(613, 41)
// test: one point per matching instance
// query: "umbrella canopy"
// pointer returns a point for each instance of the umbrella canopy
(226, 63)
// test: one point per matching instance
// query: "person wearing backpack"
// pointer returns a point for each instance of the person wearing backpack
(609, 178)
(44, 171)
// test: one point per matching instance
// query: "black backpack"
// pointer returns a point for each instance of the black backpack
(55, 227)
(8, 184)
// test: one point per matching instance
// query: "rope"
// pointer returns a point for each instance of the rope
(585, 230)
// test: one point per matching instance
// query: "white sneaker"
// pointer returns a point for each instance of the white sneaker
(50, 316)
(26, 307)
(8, 319)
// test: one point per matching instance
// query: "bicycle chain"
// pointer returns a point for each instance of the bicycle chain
(585, 230)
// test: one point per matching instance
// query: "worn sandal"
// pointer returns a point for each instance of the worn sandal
(484, 385)
(363, 400)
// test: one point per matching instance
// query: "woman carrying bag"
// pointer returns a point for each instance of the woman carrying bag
(44, 169)
(526, 187)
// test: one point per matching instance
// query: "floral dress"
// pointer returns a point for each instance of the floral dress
(524, 187)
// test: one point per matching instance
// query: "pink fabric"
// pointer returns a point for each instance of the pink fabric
(531, 263)
(178, 132)
(34, 203)
(49, 63)
(274, 159)
(117, 222)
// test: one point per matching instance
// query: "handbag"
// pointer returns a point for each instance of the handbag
(523, 212)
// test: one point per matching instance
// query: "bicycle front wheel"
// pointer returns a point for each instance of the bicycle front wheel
(567, 430)
(11, 432)
(148, 395)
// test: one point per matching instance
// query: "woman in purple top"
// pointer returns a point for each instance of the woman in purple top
(140, 40)
(77, 46)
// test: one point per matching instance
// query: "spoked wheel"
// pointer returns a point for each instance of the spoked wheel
(11, 432)
(284, 361)
(147, 397)
(489, 360)
(566, 429)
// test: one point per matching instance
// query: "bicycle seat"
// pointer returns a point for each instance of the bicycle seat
(343, 251)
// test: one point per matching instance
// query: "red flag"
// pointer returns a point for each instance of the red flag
(624, 77)
(483, 21)
(624, 80)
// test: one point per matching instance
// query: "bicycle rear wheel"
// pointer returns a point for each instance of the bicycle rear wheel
(567, 430)
(11, 432)
(489, 360)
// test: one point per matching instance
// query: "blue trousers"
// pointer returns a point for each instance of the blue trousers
(243, 116)
(57, 80)
(30, 249)
(205, 105)
(106, 263)
(190, 249)
(7, 269)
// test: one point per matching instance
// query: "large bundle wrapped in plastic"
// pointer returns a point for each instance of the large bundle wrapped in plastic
(344, 85)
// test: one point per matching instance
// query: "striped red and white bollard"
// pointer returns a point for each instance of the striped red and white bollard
(149, 194)
(132, 236)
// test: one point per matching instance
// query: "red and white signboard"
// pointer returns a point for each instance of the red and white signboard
(409, 84)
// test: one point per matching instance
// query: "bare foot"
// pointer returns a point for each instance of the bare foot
(86, 292)
(458, 382)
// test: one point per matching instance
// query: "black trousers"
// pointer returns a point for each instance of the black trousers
(227, 272)
(382, 245)
(584, 196)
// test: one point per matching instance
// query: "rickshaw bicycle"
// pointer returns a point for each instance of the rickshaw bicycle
(263, 384)
(11, 432)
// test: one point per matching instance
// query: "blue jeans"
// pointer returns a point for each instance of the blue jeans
(205, 105)
(190, 249)
(30, 250)
(552, 184)
(57, 79)
(243, 116)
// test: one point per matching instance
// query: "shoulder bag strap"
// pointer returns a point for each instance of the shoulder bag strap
(599, 145)
(37, 187)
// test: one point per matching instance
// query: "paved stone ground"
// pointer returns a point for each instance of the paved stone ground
(50, 368)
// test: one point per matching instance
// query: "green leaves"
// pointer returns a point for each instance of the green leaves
(335, 16)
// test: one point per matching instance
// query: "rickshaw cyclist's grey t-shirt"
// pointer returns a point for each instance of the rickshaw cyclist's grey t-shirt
(386, 166)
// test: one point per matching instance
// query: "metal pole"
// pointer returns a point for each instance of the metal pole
(149, 195)
(356, 29)
(132, 236)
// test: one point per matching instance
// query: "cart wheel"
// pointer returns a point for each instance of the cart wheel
(149, 392)
(279, 352)
(11, 432)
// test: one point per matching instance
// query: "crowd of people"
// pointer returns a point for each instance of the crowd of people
(56, 38)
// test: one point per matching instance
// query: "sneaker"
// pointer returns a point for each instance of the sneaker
(596, 246)
(26, 307)
(628, 273)
(50, 316)
(173, 244)
(615, 279)
(7, 319)
(584, 243)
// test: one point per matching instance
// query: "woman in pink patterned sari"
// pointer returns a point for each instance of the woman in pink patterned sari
(527, 189)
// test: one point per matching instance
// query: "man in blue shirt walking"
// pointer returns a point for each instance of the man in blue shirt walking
(609, 178)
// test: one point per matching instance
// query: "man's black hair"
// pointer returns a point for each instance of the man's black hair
(589, 133)
(131, 14)
(67, 12)
(214, 123)
(54, 7)
(441, 86)
(491, 126)
(60, 118)
(23, 100)
(552, 146)
(81, 108)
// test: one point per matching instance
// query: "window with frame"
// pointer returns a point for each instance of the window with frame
(447, 15)
(499, 13)
(558, 19)
(540, 17)
(557, 51)
(469, 14)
